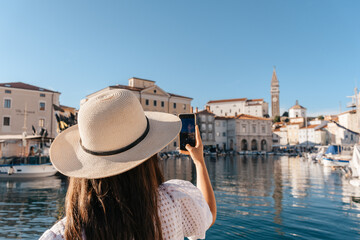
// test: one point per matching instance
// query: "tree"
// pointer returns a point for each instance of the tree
(285, 114)
(276, 119)
(321, 117)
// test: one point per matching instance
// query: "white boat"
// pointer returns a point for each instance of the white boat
(31, 167)
(335, 157)
(355, 167)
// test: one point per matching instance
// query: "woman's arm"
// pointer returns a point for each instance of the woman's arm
(202, 179)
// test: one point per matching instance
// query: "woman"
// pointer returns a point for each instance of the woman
(116, 188)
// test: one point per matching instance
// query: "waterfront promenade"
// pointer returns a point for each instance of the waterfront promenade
(258, 198)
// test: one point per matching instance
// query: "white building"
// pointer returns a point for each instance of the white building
(313, 135)
(297, 111)
(350, 120)
(235, 107)
(339, 135)
(281, 135)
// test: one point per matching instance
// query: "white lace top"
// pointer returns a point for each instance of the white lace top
(183, 212)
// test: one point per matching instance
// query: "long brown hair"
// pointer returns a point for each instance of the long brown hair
(119, 207)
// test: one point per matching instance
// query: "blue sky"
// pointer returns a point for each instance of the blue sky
(204, 49)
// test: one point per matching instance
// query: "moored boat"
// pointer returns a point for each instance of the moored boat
(30, 167)
(335, 157)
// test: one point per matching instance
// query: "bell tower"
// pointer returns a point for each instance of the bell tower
(275, 92)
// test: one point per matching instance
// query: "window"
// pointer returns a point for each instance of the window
(42, 94)
(174, 105)
(175, 144)
(155, 103)
(184, 107)
(8, 91)
(230, 111)
(147, 102)
(254, 128)
(6, 121)
(203, 118)
(217, 134)
(220, 111)
(244, 128)
(155, 91)
(224, 134)
(210, 136)
(7, 103)
(217, 124)
(210, 126)
(41, 122)
(203, 127)
(263, 129)
(42, 106)
(162, 104)
(203, 136)
(224, 124)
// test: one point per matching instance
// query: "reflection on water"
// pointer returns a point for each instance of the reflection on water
(257, 198)
(27, 207)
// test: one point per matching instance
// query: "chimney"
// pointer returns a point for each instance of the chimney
(196, 109)
(208, 108)
(192, 110)
(297, 102)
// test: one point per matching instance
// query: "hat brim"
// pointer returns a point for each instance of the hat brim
(69, 158)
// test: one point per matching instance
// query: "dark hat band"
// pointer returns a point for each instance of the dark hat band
(123, 149)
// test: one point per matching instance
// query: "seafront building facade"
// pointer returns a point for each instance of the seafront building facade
(206, 122)
(253, 133)
(26, 110)
(153, 98)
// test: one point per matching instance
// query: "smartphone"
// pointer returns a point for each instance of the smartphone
(187, 133)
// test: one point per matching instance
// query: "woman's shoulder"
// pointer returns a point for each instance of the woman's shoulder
(55, 232)
(179, 189)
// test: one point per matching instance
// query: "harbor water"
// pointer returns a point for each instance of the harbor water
(257, 197)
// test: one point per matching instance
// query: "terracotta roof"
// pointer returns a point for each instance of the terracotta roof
(350, 111)
(224, 117)
(140, 89)
(142, 79)
(63, 106)
(228, 100)
(255, 100)
(297, 106)
(21, 85)
(250, 117)
(310, 126)
(205, 111)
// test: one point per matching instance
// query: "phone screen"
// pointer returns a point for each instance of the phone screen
(187, 133)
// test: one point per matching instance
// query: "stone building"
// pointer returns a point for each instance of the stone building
(153, 98)
(275, 96)
(235, 107)
(206, 122)
(221, 132)
(253, 133)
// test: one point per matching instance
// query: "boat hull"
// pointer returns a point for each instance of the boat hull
(27, 171)
(331, 162)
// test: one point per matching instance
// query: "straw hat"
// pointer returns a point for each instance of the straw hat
(113, 135)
